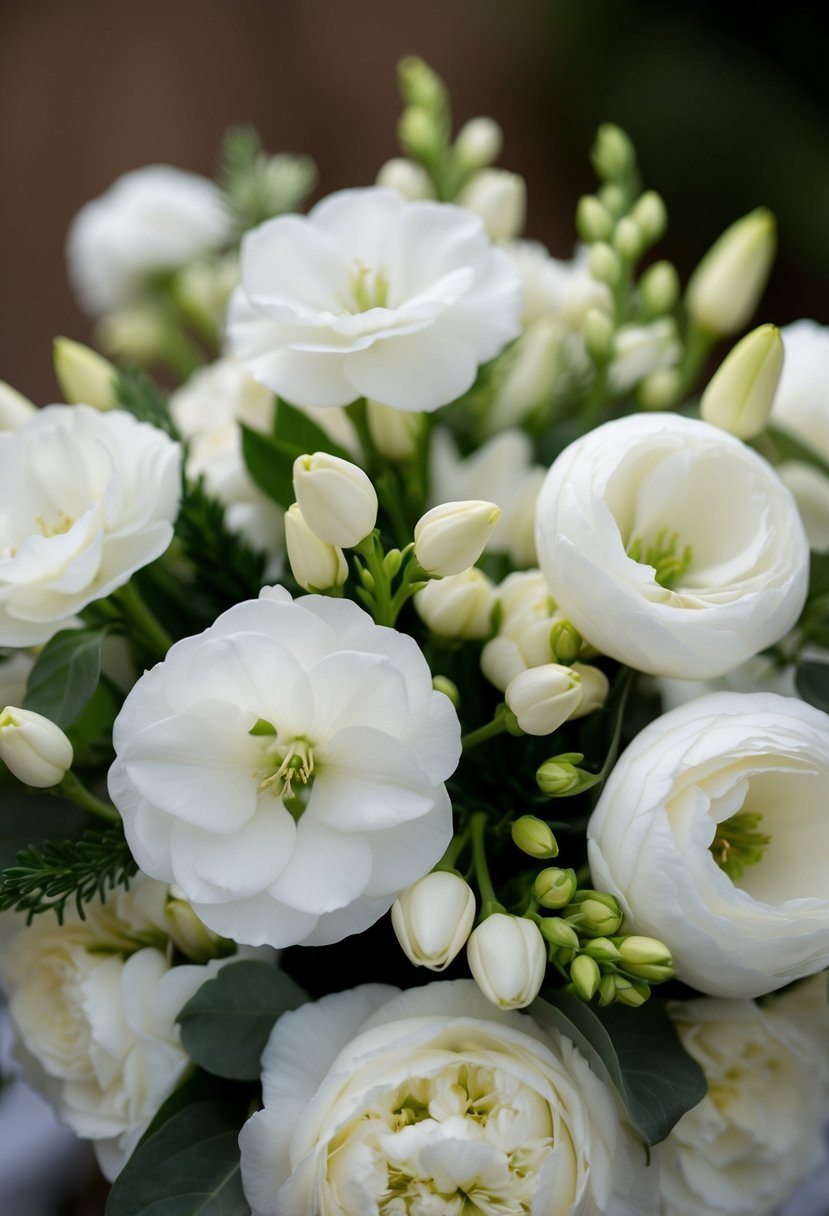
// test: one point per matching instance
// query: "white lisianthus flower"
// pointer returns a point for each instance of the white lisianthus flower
(372, 295)
(286, 769)
(757, 1132)
(433, 1100)
(712, 833)
(671, 546)
(150, 220)
(86, 499)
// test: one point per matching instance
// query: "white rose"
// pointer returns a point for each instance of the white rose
(434, 1101)
(671, 490)
(286, 769)
(372, 295)
(719, 777)
(152, 219)
(86, 499)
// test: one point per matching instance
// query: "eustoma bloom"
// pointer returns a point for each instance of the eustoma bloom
(434, 1101)
(671, 546)
(712, 832)
(286, 769)
(372, 295)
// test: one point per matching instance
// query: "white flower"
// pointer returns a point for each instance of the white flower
(86, 499)
(451, 537)
(508, 959)
(760, 674)
(432, 1101)
(562, 290)
(659, 496)
(757, 1132)
(286, 769)
(33, 748)
(712, 833)
(528, 615)
(372, 295)
(152, 219)
(433, 918)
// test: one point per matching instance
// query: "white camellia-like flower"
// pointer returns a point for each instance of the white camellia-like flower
(712, 832)
(286, 769)
(86, 499)
(671, 546)
(372, 295)
(152, 219)
(434, 1101)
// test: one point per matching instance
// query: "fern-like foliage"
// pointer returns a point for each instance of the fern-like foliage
(256, 186)
(45, 879)
(226, 569)
(139, 394)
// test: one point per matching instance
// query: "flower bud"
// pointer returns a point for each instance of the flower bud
(542, 698)
(433, 919)
(557, 778)
(603, 264)
(34, 749)
(419, 84)
(554, 888)
(83, 375)
(316, 565)
(612, 153)
(508, 959)
(407, 178)
(598, 335)
(534, 837)
(189, 934)
(500, 199)
(565, 642)
(593, 221)
(15, 409)
(599, 913)
(337, 499)
(419, 133)
(137, 332)
(594, 689)
(659, 289)
(203, 288)
(661, 389)
(641, 951)
(607, 990)
(478, 144)
(602, 950)
(650, 215)
(460, 606)
(741, 392)
(449, 688)
(725, 288)
(531, 369)
(395, 433)
(452, 536)
(627, 239)
(558, 933)
(631, 994)
(585, 976)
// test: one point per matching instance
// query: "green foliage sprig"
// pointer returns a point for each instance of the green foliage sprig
(45, 879)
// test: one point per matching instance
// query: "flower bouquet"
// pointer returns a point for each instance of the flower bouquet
(435, 622)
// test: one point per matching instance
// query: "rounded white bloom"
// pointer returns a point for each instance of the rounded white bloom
(34, 749)
(315, 564)
(286, 769)
(15, 409)
(500, 199)
(337, 498)
(712, 832)
(543, 698)
(451, 537)
(459, 606)
(376, 1097)
(508, 959)
(433, 918)
(372, 295)
(687, 497)
(86, 499)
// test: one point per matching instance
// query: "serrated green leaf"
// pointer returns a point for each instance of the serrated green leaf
(225, 1026)
(270, 463)
(296, 429)
(66, 675)
(638, 1049)
(812, 683)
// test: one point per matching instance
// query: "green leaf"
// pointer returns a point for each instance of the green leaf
(296, 429)
(66, 675)
(787, 447)
(189, 1167)
(45, 878)
(812, 682)
(638, 1049)
(818, 575)
(270, 463)
(139, 394)
(225, 1026)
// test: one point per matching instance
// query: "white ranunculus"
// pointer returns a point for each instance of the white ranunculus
(434, 1101)
(668, 483)
(683, 791)
(760, 674)
(757, 1132)
(372, 295)
(150, 220)
(86, 499)
(286, 769)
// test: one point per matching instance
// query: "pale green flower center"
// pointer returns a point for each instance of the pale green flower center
(663, 554)
(285, 766)
(366, 289)
(738, 844)
(61, 525)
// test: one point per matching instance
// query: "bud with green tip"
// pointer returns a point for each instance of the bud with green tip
(594, 686)
(508, 960)
(558, 933)
(407, 178)
(585, 976)
(633, 995)
(449, 689)
(316, 565)
(559, 776)
(33, 748)
(478, 144)
(534, 837)
(593, 221)
(598, 912)
(419, 134)
(433, 918)
(565, 642)
(726, 287)
(602, 950)
(612, 153)
(628, 239)
(606, 991)
(659, 289)
(500, 199)
(604, 264)
(543, 698)
(650, 215)
(555, 888)
(337, 499)
(420, 85)
(741, 392)
(83, 375)
(644, 950)
(661, 389)
(189, 934)
(599, 333)
(452, 536)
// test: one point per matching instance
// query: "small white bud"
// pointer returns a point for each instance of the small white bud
(651, 216)
(726, 287)
(82, 374)
(661, 389)
(34, 749)
(508, 959)
(15, 409)
(478, 143)
(433, 919)
(500, 199)
(459, 606)
(542, 698)
(452, 536)
(594, 689)
(628, 239)
(659, 288)
(191, 936)
(603, 264)
(406, 177)
(593, 220)
(316, 565)
(741, 392)
(586, 976)
(395, 433)
(138, 332)
(337, 499)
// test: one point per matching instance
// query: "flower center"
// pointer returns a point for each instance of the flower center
(738, 843)
(286, 764)
(63, 523)
(662, 554)
(367, 288)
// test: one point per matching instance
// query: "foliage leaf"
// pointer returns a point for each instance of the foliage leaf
(270, 463)
(45, 878)
(66, 675)
(812, 682)
(296, 429)
(139, 394)
(226, 568)
(787, 447)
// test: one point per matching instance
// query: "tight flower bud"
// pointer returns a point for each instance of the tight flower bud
(34, 749)
(336, 497)
(558, 933)
(659, 289)
(500, 199)
(556, 778)
(542, 698)
(460, 606)
(508, 958)
(644, 950)
(585, 976)
(419, 84)
(600, 914)
(190, 935)
(741, 392)
(661, 389)
(534, 837)
(452, 536)
(607, 990)
(602, 950)
(598, 335)
(316, 565)
(628, 239)
(406, 177)
(15, 409)
(631, 994)
(594, 689)
(395, 433)
(449, 688)
(565, 642)
(554, 888)
(650, 215)
(603, 264)
(612, 153)
(419, 133)
(725, 288)
(433, 919)
(478, 143)
(83, 375)
(593, 220)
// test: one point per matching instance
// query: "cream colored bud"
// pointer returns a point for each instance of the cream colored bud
(603, 264)
(433, 919)
(600, 913)
(543, 698)
(449, 688)
(661, 389)
(83, 375)
(15, 409)
(395, 433)
(602, 950)
(641, 951)
(316, 565)
(460, 606)
(631, 994)
(593, 220)
(337, 499)
(594, 689)
(585, 976)
(534, 837)
(189, 934)
(138, 332)
(554, 888)
(741, 392)
(726, 287)
(628, 240)
(650, 215)
(478, 143)
(452, 536)
(508, 959)
(659, 288)
(557, 778)
(33, 748)
(500, 199)
(407, 178)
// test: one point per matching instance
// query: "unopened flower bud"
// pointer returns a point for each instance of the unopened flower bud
(460, 606)
(83, 375)
(594, 689)
(659, 289)
(452, 536)
(612, 152)
(627, 239)
(558, 777)
(585, 976)
(433, 919)
(613, 198)
(419, 84)
(33, 748)
(600, 914)
(316, 565)
(741, 392)
(534, 837)
(406, 177)
(593, 221)
(419, 133)
(631, 994)
(602, 950)
(508, 959)
(554, 888)
(542, 698)
(607, 990)
(651, 216)
(500, 199)
(478, 143)
(337, 499)
(598, 335)
(395, 433)
(449, 688)
(558, 933)
(661, 389)
(647, 958)
(15, 409)
(189, 934)
(565, 642)
(726, 287)
(603, 264)
(137, 332)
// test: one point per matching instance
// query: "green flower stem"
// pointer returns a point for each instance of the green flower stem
(454, 849)
(596, 399)
(496, 727)
(149, 630)
(74, 789)
(698, 344)
(489, 900)
(370, 550)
